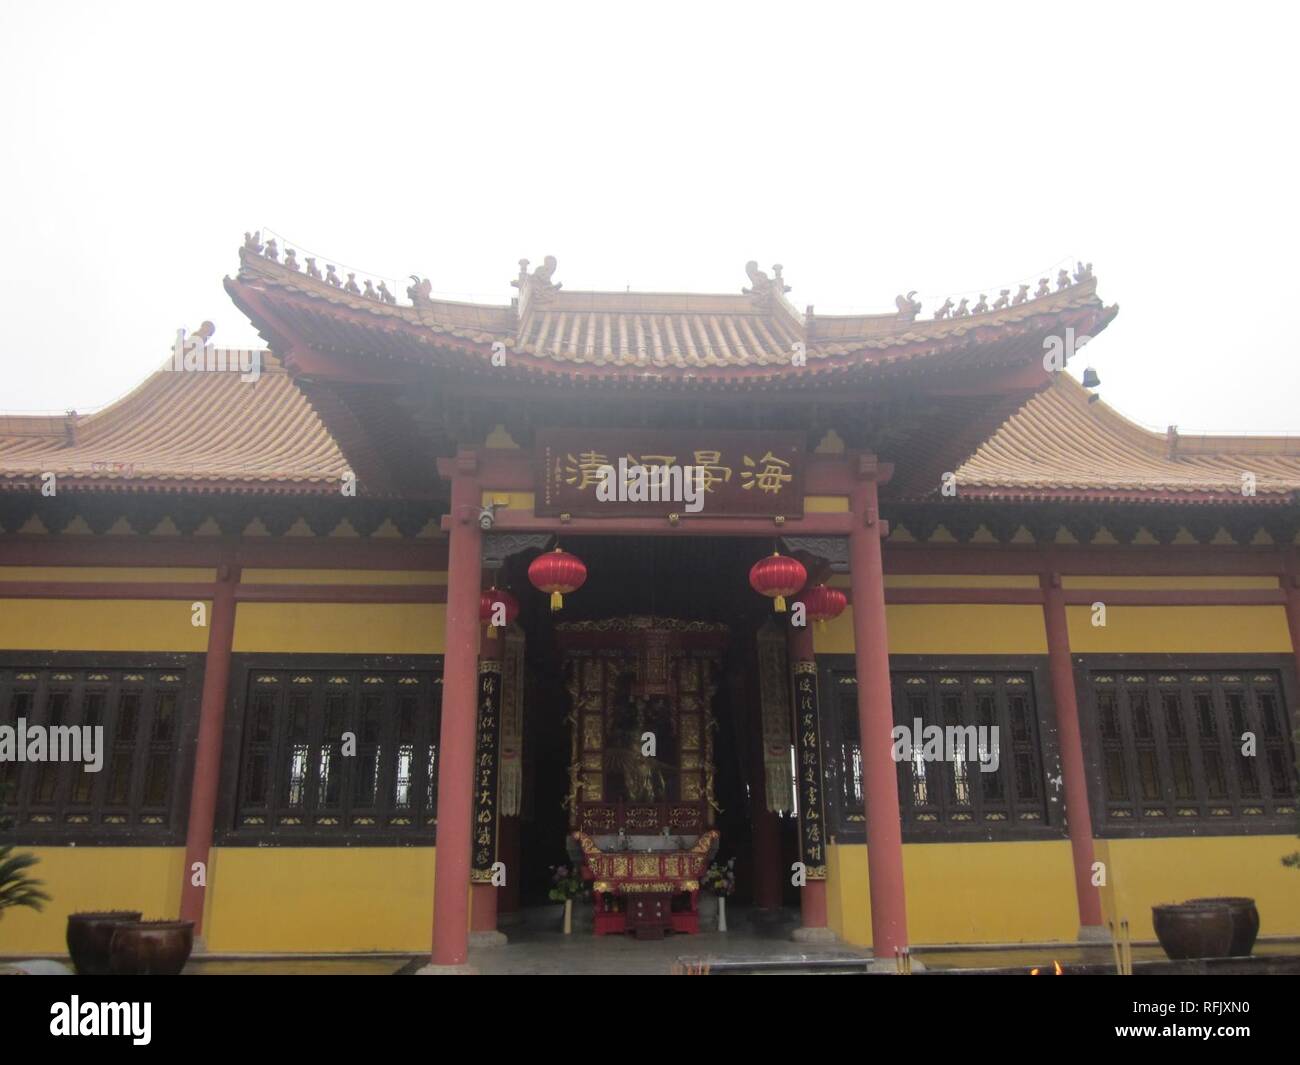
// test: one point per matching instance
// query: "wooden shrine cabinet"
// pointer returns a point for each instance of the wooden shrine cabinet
(641, 812)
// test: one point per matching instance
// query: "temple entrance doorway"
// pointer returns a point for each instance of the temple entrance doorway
(661, 643)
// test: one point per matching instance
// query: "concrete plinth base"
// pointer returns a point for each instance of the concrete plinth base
(492, 939)
(814, 935)
(890, 966)
(200, 946)
(446, 970)
(1094, 933)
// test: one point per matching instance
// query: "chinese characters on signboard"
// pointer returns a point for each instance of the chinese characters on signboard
(485, 770)
(808, 759)
(744, 473)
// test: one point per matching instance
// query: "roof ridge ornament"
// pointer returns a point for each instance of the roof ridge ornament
(536, 287)
(421, 293)
(908, 306)
(1082, 275)
(766, 291)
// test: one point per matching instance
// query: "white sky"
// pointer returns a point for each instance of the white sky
(869, 149)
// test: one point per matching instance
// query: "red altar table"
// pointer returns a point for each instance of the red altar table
(653, 889)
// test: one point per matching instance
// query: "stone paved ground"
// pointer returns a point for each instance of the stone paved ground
(537, 947)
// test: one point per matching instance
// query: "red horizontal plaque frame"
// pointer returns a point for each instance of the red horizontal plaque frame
(742, 473)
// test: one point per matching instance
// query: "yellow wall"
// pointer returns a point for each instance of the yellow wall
(100, 625)
(259, 899)
(1024, 892)
(340, 628)
(956, 629)
(1144, 872)
(320, 899)
(1180, 629)
(92, 878)
(963, 892)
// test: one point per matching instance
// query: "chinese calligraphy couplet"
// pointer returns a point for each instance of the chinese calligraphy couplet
(812, 806)
(485, 771)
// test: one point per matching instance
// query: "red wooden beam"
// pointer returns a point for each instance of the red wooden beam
(340, 593)
(809, 525)
(278, 554)
(106, 590)
(1175, 597)
(244, 593)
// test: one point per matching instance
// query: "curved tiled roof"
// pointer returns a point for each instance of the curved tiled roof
(1061, 445)
(756, 329)
(197, 430)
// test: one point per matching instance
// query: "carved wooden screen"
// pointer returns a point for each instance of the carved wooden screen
(642, 732)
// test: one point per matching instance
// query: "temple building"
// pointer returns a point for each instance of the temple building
(384, 621)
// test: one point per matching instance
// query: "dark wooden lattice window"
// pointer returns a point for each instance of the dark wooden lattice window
(331, 753)
(849, 754)
(142, 714)
(1173, 748)
(985, 708)
(939, 793)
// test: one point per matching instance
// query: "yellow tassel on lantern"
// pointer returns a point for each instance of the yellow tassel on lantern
(557, 600)
(492, 631)
(780, 604)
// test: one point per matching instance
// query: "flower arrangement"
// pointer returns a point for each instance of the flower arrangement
(720, 878)
(565, 883)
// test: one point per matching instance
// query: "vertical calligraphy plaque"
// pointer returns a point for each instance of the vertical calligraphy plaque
(485, 771)
(810, 780)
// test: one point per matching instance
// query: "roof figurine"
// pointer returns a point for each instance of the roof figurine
(908, 306)
(313, 271)
(767, 291)
(291, 259)
(536, 287)
(420, 293)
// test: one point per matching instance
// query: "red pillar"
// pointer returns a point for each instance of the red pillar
(1077, 815)
(459, 715)
(207, 752)
(1291, 585)
(813, 921)
(876, 713)
(483, 908)
(508, 896)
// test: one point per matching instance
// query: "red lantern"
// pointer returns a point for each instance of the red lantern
(823, 604)
(777, 576)
(559, 573)
(487, 605)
